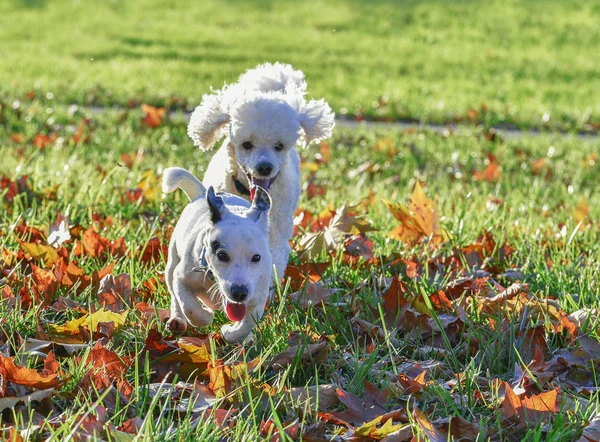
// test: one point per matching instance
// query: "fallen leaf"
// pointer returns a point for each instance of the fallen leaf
(41, 253)
(312, 294)
(491, 173)
(417, 221)
(115, 292)
(310, 353)
(581, 211)
(309, 273)
(11, 402)
(153, 116)
(90, 322)
(41, 141)
(25, 376)
(427, 428)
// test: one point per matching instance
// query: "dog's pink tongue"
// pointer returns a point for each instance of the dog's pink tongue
(235, 311)
(252, 192)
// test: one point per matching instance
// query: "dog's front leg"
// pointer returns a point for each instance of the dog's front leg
(194, 311)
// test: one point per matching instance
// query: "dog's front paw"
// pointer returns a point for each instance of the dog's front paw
(176, 325)
(234, 333)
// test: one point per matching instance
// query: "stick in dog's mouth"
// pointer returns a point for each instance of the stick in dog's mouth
(264, 183)
(235, 312)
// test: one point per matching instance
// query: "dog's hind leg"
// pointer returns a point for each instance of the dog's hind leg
(177, 323)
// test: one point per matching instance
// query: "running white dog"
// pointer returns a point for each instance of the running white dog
(263, 117)
(220, 246)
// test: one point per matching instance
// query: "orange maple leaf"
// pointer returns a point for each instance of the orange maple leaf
(419, 220)
(491, 173)
(26, 376)
(153, 116)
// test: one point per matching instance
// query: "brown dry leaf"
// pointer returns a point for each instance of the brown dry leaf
(532, 409)
(312, 294)
(412, 386)
(427, 428)
(394, 300)
(105, 367)
(365, 409)
(115, 292)
(311, 353)
(322, 397)
(419, 220)
(309, 273)
(25, 376)
(153, 251)
(153, 116)
(46, 284)
(11, 402)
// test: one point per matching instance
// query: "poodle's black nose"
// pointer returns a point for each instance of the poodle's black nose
(264, 169)
(239, 293)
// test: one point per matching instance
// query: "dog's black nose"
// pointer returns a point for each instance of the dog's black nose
(264, 169)
(239, 293)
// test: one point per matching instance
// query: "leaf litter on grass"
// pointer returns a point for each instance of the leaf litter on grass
(444, 339)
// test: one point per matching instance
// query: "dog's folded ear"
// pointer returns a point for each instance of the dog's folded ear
(208, 122)
(216, 205)
(260, 205)
(317, 120)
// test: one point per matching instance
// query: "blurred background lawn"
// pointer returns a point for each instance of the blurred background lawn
(528, 63)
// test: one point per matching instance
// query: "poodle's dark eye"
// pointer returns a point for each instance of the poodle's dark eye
(256, 258)
(279, 146)
(222, 256)
(247, 145)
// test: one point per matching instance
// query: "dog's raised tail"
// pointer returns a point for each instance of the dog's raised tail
(177, 178)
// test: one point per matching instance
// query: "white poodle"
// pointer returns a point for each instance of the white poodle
(219, 257)
(263, 117)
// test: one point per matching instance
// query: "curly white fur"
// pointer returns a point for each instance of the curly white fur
(267, 109)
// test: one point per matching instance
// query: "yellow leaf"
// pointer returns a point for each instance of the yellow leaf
(41, 253)
(369, 429)
(581, 211)
(149, 185)
(90, 322)
(419, 220)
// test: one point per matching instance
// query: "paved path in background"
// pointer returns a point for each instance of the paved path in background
(350, 122)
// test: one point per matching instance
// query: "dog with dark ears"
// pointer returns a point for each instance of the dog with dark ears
(219, 257)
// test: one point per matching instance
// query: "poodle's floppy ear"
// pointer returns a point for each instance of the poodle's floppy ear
(317, 119)
(208, 121)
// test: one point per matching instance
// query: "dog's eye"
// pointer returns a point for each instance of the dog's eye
(278, 146)
(247, 145)
(223, 257)
(256, 258)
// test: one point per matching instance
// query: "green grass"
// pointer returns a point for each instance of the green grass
(530, 63)
(530, 212)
